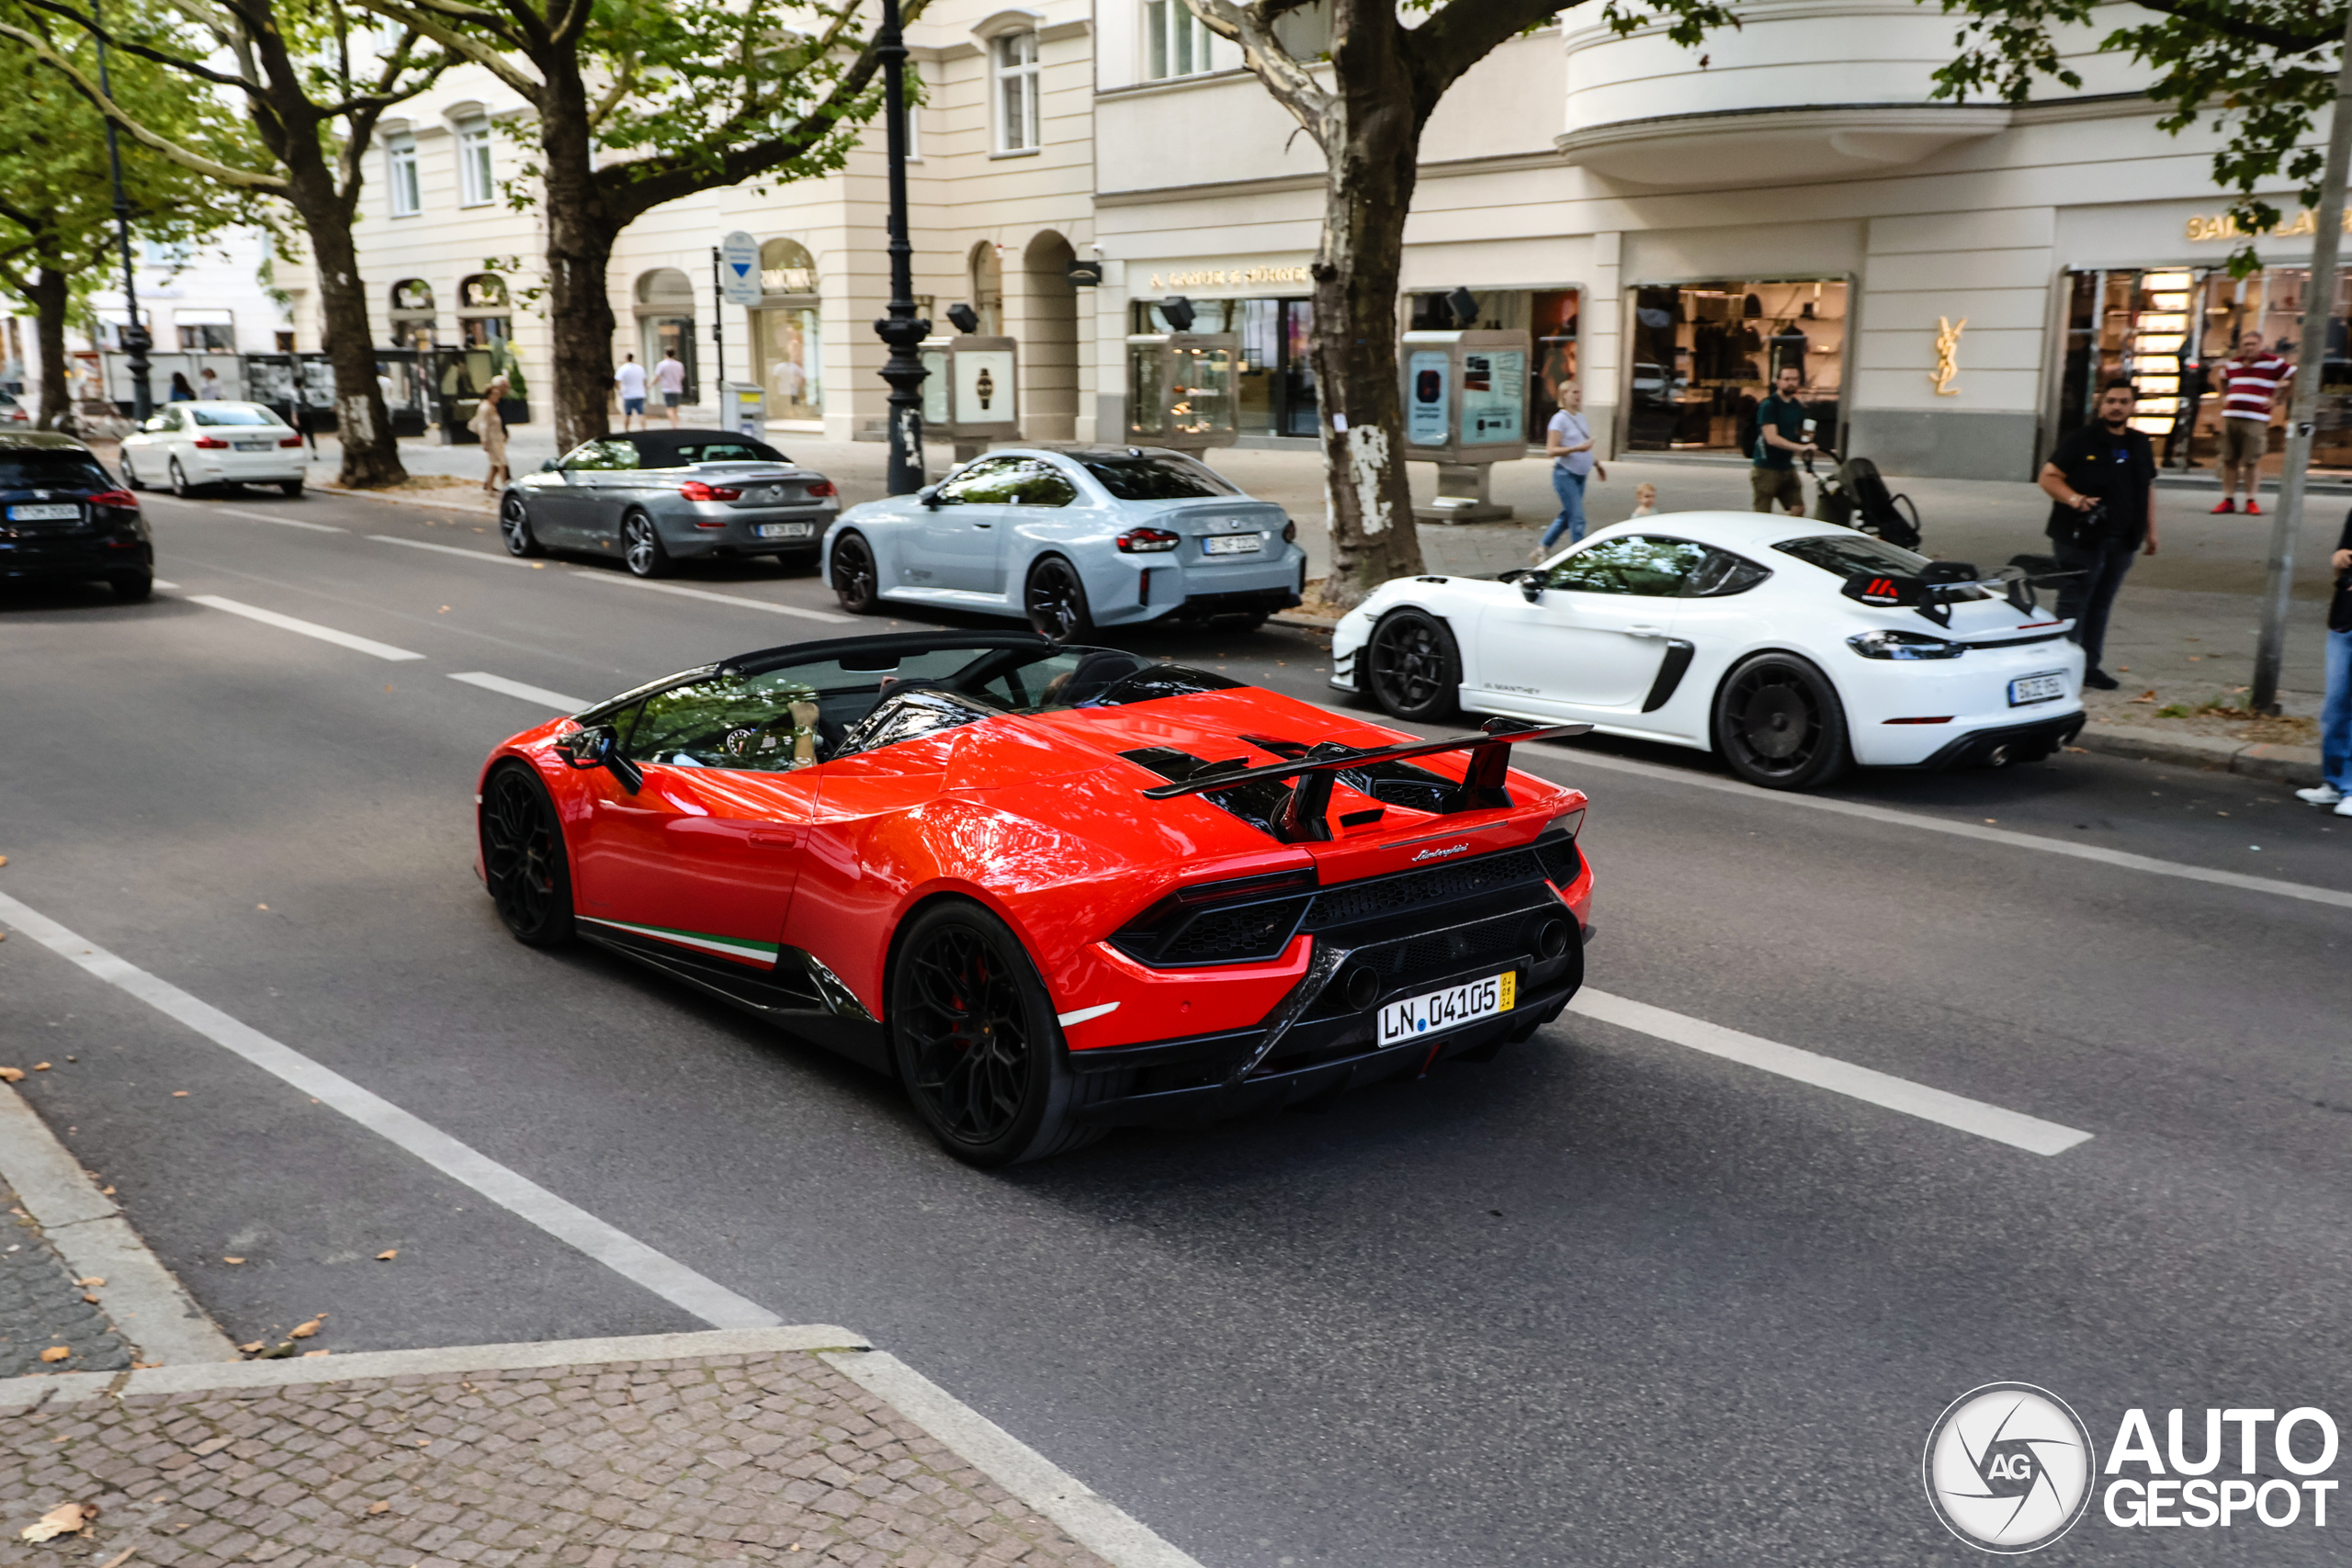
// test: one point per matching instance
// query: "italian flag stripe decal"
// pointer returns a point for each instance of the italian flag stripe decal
(726, 946)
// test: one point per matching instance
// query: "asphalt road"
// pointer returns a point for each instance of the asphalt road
(1607, 1300)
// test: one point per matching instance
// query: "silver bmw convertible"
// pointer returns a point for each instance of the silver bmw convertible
(657, 497)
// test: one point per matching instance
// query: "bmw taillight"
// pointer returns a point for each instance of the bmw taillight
(290, 441)
(695, 489)
(821, 486)
(209, 444)
(1146, 541)
(1289, 531)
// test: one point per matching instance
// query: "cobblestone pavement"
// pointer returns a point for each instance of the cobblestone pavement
(42, 1307)
(774, 1456)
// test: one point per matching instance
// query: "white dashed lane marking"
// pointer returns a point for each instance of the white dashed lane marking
(482, 556)
(735, 599)
(524, 690)
(308, 628)
(250, 516)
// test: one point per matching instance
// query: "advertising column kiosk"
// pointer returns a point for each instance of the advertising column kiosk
(1181, 389)
(972, 393)
(1466, 410)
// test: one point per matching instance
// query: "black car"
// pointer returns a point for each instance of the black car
(62, 517)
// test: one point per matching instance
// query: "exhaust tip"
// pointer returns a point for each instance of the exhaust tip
(1552, 938)
(1359, 987)
(2001, 756)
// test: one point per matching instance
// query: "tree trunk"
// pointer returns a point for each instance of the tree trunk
(1373, 156)
(49, 292)
(580, 251)
(371, 456)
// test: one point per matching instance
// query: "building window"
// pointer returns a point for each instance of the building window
(474, 187)
(1175, 42)
(207, 336)
(1704, 355)
(400, 159)
(1017, 91)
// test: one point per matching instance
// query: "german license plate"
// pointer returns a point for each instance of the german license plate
(1450, 1009)
(787, 530)
(256, 445)
(44, 514)
(2037, 688)
(1232, 545)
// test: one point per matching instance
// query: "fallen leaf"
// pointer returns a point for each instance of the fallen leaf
(142, 1366)
(2081, 751)
(303, 1330)
(255, 1349)
(380, 1507)
(120, 1558)
(55, 1354)
(387, 1255)
(12, 1075)
(314, 1355)
(179, 1094)
(105, 1192)
(3, 860)
(261, 906)
(69, 1518)
(233, 1260)
(40, 1066)
(89, 1297)
(445, 610)
(93, 1280)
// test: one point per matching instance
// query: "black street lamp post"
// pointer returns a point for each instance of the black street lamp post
(135, 338)
(902, 329)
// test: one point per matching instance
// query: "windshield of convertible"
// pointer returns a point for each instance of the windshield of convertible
(774, 716)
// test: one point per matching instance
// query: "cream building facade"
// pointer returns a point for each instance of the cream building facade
(1670, 225)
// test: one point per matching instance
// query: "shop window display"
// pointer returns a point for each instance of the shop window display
(2169, 329)
(1704, 354)
(1275, 377)
(1548, 316)
(789, 333)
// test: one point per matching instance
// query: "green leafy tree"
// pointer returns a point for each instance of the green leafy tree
(2257, 70)
(1366, 106)
(312, 101)
(641, 102)
(59, 243)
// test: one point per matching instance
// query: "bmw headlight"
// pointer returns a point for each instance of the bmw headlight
(1903, 645)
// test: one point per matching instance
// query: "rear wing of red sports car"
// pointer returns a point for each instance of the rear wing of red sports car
(1305, 814)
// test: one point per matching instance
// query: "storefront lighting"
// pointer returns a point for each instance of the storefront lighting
(2161, 322)
(2168, 343)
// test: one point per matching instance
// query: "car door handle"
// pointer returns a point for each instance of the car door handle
(983, 524)
(1645, 631)
(779, 838)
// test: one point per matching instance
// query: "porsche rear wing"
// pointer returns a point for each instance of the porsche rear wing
(1304, 814)
(1933, 595)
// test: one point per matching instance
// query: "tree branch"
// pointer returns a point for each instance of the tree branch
(426, 20)
(170, 61)
(1292, 84)
(245, 179)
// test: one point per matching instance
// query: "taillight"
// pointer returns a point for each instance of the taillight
(290, 441)
(695, 489)
(122, 497)
(821, 486)
(1145, 541)
(1289, 531)
(209, 444)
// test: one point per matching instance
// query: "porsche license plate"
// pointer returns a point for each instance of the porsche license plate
(1232, 545)
(787, 530)
(1449, 1009)
(44, 514)
(2037, 688)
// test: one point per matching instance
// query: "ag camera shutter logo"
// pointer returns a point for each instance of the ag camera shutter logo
(2009, 1468)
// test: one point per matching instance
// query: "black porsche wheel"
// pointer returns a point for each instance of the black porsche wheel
(514, 528)
(521, 855)
(641, 547)
(856, 584)
(1412, 668)
(1779, 724)
(975, 1041)
(1055, 600)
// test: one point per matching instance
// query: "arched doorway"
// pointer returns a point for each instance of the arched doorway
(788, 332)
(986, 278)
(1048, 340)
(665, 323)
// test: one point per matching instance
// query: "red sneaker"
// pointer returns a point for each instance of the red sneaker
(2252, 507)
(2227, 505)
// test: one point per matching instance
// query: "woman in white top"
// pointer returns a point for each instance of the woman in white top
(1567, 441)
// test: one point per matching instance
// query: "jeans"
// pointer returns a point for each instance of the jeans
(2335, 715)
(1570, 488)
(2086, 598)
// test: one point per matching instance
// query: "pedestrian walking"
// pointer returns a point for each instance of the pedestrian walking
(2250, 386)
(181, 392)
(2103, 481)
(1781, 440)
(491, 426)
(208, 386)
(1567, 441)
(630, 380)
(2335, 786)
(669, 377)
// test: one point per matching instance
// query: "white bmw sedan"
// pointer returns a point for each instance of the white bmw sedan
(1791, 648)
(193, 447)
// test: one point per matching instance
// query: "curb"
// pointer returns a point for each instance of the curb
(2261, 759)
(474, 506)
(140, 1298)
(1300, 622)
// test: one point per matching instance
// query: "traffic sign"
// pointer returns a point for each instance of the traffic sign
(739, 269)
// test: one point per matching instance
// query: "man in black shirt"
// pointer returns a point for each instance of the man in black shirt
(2103, 479)
(2334, 787)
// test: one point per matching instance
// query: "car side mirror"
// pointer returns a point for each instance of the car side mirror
(929, 496)
(552, 466)
(1531, 587)
(599, 746)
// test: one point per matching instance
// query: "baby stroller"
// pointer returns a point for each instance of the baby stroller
(1853, 495)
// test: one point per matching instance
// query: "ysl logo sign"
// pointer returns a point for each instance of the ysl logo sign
(1947, 355)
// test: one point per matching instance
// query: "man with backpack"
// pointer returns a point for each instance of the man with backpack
(1780, 441)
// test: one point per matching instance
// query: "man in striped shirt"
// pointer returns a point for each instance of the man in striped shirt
(2250, 385)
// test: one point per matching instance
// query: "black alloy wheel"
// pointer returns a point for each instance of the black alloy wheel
(521, 855)
(1412, 668)
(180, 487)
(514, 528)
(1055, 600)
(641, 547)
(856, 581)
(976, 1043)
(1779, 724)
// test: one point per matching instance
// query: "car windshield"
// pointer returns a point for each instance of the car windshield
(55, 469)
(1853, 555)
(782, 715)
(232, 414)
(677, 454)
(1157, 478)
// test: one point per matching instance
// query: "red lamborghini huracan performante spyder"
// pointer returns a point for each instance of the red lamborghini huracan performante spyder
(1053, 889)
